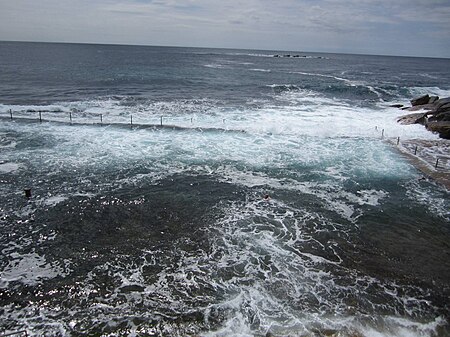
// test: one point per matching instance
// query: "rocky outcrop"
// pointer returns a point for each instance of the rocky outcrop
(435, 114)
(298, 56)
(420, 100)
(442, 104)
(416, 118)
(443, 128)
(433, 99)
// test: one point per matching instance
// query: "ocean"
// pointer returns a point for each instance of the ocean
(217, 192)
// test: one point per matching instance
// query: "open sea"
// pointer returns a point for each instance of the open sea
(149, 173)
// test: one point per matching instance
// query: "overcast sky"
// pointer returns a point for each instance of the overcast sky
(388, 27)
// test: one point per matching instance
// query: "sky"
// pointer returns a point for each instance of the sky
(381, 27)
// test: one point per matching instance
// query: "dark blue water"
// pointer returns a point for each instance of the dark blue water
(162, 228)
(40, 73)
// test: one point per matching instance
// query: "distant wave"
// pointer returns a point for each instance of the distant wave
(323, 75)
(283, 87)
(117, 109)
(215, 66)
(249, 54)
(261, 70)
(33, 108)
(426, 75)
(418, 91)
(299, 56)
(237, 62)
(348, 82)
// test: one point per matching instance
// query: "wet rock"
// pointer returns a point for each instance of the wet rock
(420, 100)
(416, 118)
(445, 116)
(441, 103)
(430, 107)
(442, 128)
(440, 117)
(396, 106)
(442, 109)
(433, 99)
(436, 115)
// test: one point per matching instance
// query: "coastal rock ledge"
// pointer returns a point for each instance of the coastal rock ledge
(432, 111)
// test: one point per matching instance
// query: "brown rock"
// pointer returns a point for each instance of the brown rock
(433, 99)
(443, 128)
(441, 105)
(441, 102)
(422, 107)
(441, 117)
(416, 118)
(420, 100)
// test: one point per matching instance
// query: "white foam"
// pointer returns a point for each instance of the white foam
(29, 269)
(348, 82)
(5, 108)
(9, 167)
(215, 66)
(9, 145)
(304, 113)
(432, 91)
(433, 198)
(261, 70)
(246, 242)
(402, 327)
(54, 200)
(251, 54)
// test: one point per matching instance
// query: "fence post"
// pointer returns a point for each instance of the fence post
(161, 121)
(415, 150)
(131, 121)
(10, 112)
(437, 163)
(101, 119)
(70, 116)
(40, 117)
(398, 140)
(382, 133)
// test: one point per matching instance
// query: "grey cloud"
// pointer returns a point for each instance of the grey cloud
(325, 25)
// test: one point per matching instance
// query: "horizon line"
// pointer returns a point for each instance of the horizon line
(225, 48)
